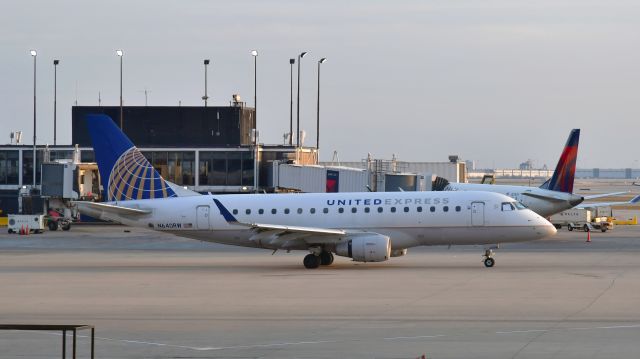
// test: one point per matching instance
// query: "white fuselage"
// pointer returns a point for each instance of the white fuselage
(542, 201)
(408, 218)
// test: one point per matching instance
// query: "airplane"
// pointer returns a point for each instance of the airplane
(553, 196)
(364, 226)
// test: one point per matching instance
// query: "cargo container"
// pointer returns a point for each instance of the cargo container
(32, 223)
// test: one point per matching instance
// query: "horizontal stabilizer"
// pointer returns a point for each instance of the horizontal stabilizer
(544, 197)
(108, 211)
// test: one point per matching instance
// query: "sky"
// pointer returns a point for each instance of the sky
(494, 81)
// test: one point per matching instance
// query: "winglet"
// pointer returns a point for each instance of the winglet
(225, 212)
(635, 200)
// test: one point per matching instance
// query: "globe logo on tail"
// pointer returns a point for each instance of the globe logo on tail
(132, 177)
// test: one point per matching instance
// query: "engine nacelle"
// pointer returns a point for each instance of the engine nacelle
(366, 248)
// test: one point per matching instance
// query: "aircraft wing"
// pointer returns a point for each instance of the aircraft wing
(292, 229)
(634, 200)
(594, 196)
(281, 230)
(108, 211)
(282, 233)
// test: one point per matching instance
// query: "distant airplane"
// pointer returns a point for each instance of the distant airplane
(553, 196)
(364, 226)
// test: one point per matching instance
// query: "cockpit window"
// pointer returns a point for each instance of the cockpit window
(506, 206)
(520, 205)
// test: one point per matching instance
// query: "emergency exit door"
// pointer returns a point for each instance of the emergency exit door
(477, 214)
(202, 217)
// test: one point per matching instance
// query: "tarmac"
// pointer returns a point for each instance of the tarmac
(152, 295)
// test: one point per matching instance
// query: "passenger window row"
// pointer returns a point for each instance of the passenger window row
(325, 210)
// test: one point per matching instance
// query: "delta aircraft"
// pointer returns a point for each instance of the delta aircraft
(553, 196)
(366, 226)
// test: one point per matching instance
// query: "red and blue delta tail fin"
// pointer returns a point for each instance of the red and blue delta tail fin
(126, 173)
(564, 174)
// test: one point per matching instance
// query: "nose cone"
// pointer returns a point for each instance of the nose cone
(575, 200)
(541, 226)
(549, 229)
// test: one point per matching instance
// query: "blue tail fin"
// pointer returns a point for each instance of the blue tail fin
(126, 173)
(564, 174)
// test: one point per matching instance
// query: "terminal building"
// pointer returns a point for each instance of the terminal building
(206, 149)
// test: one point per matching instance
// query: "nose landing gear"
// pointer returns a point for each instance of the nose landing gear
(488, 258)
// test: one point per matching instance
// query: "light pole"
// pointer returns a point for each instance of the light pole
(34, 54)
(298, 105)
(120, 54)
(205, 97)
(256, 167)
(322, 60)
(146, 97)
(254, 53)
(55, 95)
(291, 62)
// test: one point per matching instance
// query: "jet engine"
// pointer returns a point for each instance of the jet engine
(366, 248)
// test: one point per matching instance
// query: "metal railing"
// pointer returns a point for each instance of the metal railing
(57, 327)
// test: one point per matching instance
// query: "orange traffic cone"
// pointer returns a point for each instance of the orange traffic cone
(22, 229)
(27, 231)
(589, 237)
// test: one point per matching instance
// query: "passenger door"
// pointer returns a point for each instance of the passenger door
(202, 217)
(477, 214)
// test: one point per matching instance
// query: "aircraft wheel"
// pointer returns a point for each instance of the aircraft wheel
(326, 258)
(570, 228)
(586, 228)
(603, 229)
(311, 261)
(489, 262)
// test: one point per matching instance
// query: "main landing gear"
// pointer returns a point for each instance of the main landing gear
(311, 261)
(488, 258)
(326, 258)
(317, 258)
